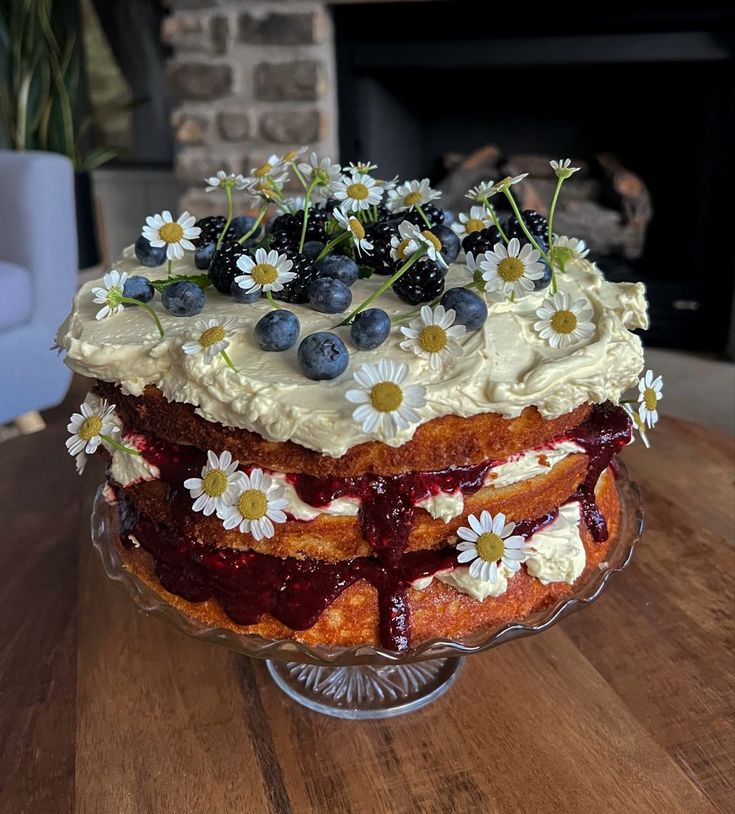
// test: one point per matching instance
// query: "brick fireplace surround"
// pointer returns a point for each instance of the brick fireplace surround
(250, 78)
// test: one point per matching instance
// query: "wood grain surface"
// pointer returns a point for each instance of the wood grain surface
(625, 707)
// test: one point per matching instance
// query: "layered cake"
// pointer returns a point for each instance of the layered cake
(340, 428)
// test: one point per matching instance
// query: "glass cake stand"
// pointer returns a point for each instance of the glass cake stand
(365, 681)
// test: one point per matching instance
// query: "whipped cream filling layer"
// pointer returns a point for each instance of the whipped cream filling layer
(558, 555)
(505, 366)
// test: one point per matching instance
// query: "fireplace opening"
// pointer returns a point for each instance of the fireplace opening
(420, 86)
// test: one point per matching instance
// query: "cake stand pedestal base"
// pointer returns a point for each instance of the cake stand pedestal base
(365, 691)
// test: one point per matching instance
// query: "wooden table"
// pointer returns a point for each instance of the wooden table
(625, 707)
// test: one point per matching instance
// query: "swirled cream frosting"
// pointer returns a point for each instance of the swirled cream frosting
(505, 366)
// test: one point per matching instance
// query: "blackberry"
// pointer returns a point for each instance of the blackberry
(482, 241)
(297, 291)
(285, 243)
(211, 228)
(379, 260)
(536, 224)
(292, 224)
(223, 268)
(434, 215)
(423, 282)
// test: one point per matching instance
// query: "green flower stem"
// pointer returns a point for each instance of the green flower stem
(332, 243)
(228, 361)
(269, 297)
(559, 182)
(375, 212)
(116, 445)
(299, 174)
(147, 308)
(491, 211)
(228, 193)
(531, 238)
(383, 288)
(307, 201)
(169, 267)
(255, 226)
(423, 217)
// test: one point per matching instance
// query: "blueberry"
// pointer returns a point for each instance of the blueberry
(312, 248)
(338, 266)
(322, 355)
(544, 281)
(138, 288)
(148, 255)
(241, 295)
(242, 224)
(183, 299)
(330, 296)
(370, 328)
(203, 255)
(470, 310)
(448, 217)
(450, 243)
(277, 330)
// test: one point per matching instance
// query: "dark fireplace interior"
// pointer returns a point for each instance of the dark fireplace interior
(421, 82)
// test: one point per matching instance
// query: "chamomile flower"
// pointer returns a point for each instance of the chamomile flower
(269, 271)
(356, 192)
(291, 155)
(218, 484)
(411, 194)
(509, 181)
(571, 248)
(563, 322)
(360, 168)
(562, 168)
(638, 424)
(649, 395)
(94, 420)
(477, 220)
(321, 171)
(110, 293)
(410, 239)
(273, 168)
(385, 404)
(211, 337)
(434, 336)
(483, 190)
(256, 505)
(224, 179)
(266, 188)
(352, 225)
(176, 235)
(488, 542)
(511, 270)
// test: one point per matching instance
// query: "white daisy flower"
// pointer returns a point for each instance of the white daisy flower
(512, 269)
(217, 486)
(321, 171)
(434, 336)
(352, 225)
(388, 185)
(509, 181)
(471, 264)
(562, 168)
(483, 190)
(176, 235)
(291, 155)
(649, 395)
(410, 239)
(360, 168)
(211, 337)
(269, 271)
(572, 247)
(94, 420)
(477, 220)
(255, 506)
(411, 194)
(224, 179)
(266, 188)
(488, 542)
(357, 192)
(638, 424)
(273, 168)
(564, 322)
(386, 405)
(108, 295)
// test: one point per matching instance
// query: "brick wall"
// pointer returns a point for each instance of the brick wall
(250, 79)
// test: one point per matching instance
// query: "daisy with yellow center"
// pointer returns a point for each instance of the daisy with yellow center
(320, 171)
(562, 168)
(212, 339)
(508, 182)
(360, 168)
(411, 195)
(411, 238)
(434, 336)
(511, 270)
(481, 192)
(637, 424)
(357, 192)
(563, 322)
(110, 294)
(291, 155)
(176, 235)
(224, 180)
(385, 404)
(568, 249)
(649, 394)
(94, 424)
(218, 484)
(268, 272)
(256, 505)
(354, 229)
(477, 220)
(489, 542)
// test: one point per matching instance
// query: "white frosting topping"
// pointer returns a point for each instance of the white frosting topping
(505, 367)
(127, 469)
